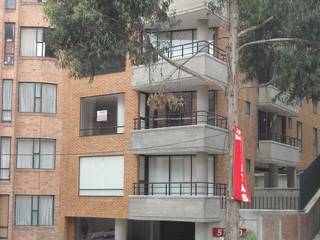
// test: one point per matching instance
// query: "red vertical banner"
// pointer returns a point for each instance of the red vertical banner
(240, 186)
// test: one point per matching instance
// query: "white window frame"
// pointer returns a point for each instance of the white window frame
(101, 176)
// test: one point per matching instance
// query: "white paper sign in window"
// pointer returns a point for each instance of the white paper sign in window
(102, 116)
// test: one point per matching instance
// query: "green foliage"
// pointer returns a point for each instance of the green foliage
(93, 36)
(293, 67)
(250, 236)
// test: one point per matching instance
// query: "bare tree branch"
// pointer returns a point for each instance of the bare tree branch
(257, 85)
(243, 32)
(263, 41)
(188, 70)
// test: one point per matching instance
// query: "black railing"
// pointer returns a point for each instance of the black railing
(273, 202)
(101, 130)
(180, 188)
(187, 50)
(309, 182)
(269, 203)
(180, 119)
(279, 138)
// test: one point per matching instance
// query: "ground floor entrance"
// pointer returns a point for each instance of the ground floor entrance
(160, 230)
(122, 229)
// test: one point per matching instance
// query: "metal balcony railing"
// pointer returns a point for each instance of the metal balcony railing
(180, 119)
(189, 49)
(280, 138)
(180, 188)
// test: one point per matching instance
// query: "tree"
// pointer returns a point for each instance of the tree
(273, 42)
(88, 33)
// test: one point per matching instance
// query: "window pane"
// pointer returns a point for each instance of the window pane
(9, 43)
(6, 100)
(4, 216)
(23, 210)
(180, 38)
(49, 98)
(45, 210)
(101, 176)
(25, 153)
(10, 4)
(28, 41)
(102, 115)
(26, 97)
(5, 158)
(47, 153)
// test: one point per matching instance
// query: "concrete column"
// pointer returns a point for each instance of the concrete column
(291, 177)
(200, 174)
(201, 231)
(202, 105)
(121, 227)
(267, 180)
(203, 33)
(274, 175)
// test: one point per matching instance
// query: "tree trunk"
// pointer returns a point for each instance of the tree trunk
(232, 216)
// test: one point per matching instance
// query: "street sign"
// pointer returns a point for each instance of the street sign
(220, 232)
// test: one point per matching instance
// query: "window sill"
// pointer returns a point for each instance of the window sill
(102, 135)
(4, 181)
(51, 59)
(37, 227)
(51, 115)
(35, 170)
(32, 3)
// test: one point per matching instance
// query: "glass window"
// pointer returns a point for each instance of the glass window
(101, 176)
(4, 216)
(314, 106)
(10, 4)
(102, 115)
(5, 156)
(6, 101)
(248, 165)
(315, 142)
(9, 39)
(289, 122)
(36, 153)
(37, 97)
(34, 210)
(33, 43)
(247, 107)
(299, 135)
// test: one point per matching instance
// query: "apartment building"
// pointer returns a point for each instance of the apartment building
(86, 160)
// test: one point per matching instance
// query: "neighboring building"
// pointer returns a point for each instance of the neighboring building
(88, 161)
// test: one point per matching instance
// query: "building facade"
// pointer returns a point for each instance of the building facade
(95, 160)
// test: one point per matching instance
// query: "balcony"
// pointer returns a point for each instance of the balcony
(185, 133)
(188, 11)
(209, 61)
(278, 149)
(177, 201)
(268, 102)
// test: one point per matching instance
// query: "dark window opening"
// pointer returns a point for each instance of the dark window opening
(102, 115)
(9, 40)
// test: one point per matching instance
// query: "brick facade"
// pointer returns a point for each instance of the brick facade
(63, 181)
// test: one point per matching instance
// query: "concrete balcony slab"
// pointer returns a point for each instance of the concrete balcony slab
(180, 140)
(272, 152)
(175, 208)
(268, 103)
(188, 11)
(149, 79)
